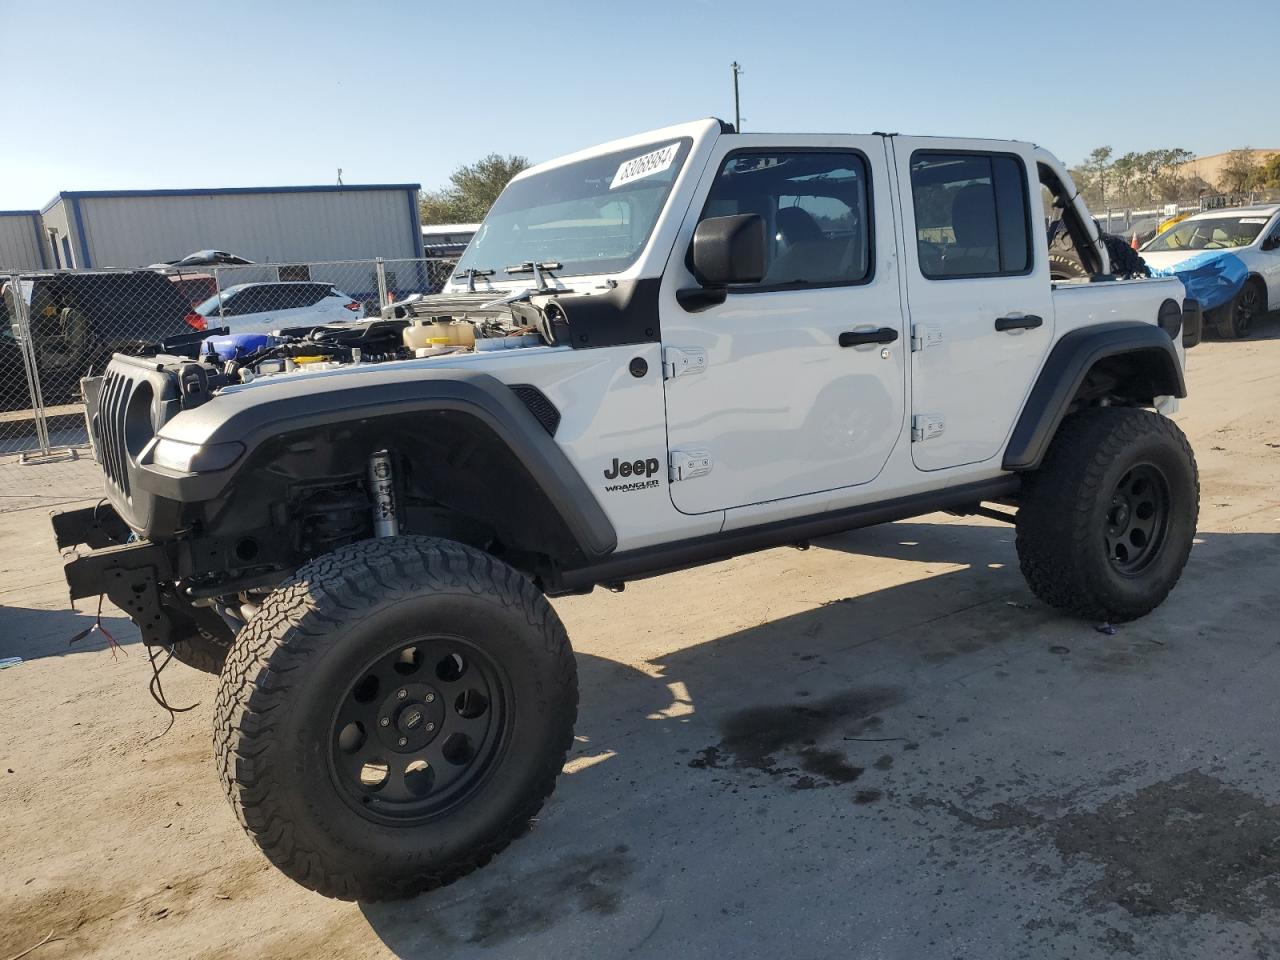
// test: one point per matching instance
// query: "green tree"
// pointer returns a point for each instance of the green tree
(1096, 167)
(1269, 172)
(1240, 171)
(471, 190)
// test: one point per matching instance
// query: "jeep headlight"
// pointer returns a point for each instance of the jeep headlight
(193, 457)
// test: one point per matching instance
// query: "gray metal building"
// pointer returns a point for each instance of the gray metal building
(21, 241)
(132, 228)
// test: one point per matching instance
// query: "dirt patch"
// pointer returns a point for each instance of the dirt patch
(784, 741)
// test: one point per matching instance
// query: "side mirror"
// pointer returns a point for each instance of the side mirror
(729, 250)
(724, 251)
(1271, 243)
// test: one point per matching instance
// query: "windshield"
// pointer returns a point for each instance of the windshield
(593, 216)
(1213, 233)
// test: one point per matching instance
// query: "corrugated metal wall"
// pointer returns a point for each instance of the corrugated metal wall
(20, 243)
(57, 217)
(131, 231)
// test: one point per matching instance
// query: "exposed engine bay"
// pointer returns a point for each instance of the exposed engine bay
(420, 328)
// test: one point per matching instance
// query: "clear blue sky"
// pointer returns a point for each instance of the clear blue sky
(231, 93)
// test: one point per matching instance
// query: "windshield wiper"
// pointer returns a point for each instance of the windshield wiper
(540, 284)
(470, 275)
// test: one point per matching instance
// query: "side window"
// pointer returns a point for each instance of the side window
(815, 209)
(316, 292)
(248, 300)
(971, 215)
(305, 294)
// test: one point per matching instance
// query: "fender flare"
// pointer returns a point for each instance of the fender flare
(252, 416)
(1064, 371)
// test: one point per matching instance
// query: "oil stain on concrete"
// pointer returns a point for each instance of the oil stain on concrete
(528, 903)
(1190, 845)
(786, 741)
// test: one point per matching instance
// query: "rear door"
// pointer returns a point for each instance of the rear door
(978, 293)
(778, 392)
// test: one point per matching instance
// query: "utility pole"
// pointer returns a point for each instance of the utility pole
(737, 111)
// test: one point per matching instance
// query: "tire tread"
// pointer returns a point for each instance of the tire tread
(293, 623)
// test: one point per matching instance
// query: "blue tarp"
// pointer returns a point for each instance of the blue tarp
(1212, 277)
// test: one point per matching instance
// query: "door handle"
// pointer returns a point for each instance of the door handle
(1029, 322)
(857, 338)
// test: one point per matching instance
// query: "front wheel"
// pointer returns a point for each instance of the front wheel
(394, 715)
(1234, 320)
(1106, 523)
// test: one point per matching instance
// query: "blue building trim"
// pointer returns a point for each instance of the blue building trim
(225, 191)
(84, 240)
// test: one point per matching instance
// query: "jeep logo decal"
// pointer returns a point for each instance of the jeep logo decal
(632, 468)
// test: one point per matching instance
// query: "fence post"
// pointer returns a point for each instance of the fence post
(22, 326)
(381, 269)
(217, 287)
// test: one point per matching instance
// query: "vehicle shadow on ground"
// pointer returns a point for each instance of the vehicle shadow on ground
(756, 735)
(35, 633)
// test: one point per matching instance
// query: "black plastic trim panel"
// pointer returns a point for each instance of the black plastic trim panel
(651, 561)
(626, 313)
(253, 415)
(542, 409)
(1063, 373)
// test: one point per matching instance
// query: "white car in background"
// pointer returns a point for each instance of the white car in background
(263, 307)
(1250, 234)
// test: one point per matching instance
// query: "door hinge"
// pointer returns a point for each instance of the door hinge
(924, 336)
(925, 427)
(687, 464)
(680, 361)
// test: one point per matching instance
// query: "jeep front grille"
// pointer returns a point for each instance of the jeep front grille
(110, 427)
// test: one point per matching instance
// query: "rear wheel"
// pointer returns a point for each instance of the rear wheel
(1106, 523)
(1235, 319)
(394, 715)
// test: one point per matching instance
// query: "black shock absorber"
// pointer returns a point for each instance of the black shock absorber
(382, 492)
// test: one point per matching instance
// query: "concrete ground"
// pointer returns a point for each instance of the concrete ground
(882, 747)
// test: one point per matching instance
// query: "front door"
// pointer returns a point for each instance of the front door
(978, 293)
(794, 385)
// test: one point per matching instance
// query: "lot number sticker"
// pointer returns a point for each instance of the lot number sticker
(644, 166)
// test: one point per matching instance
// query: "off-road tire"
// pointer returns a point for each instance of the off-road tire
(1235, 319)
(1067, 503)
(1066, 266)
(280, 688)
(203, 650)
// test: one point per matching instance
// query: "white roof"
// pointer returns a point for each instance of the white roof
(1257, 210)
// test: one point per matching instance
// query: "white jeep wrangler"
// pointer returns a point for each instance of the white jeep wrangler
(656, 353)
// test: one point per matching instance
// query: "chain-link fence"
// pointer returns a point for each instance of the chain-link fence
(56, 326)
(1144, 220)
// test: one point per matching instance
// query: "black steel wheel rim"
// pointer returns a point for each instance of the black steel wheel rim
(1137, 519)
(419, 729)
(1246, 307)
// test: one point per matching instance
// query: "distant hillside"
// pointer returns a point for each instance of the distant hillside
(1209, 168)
